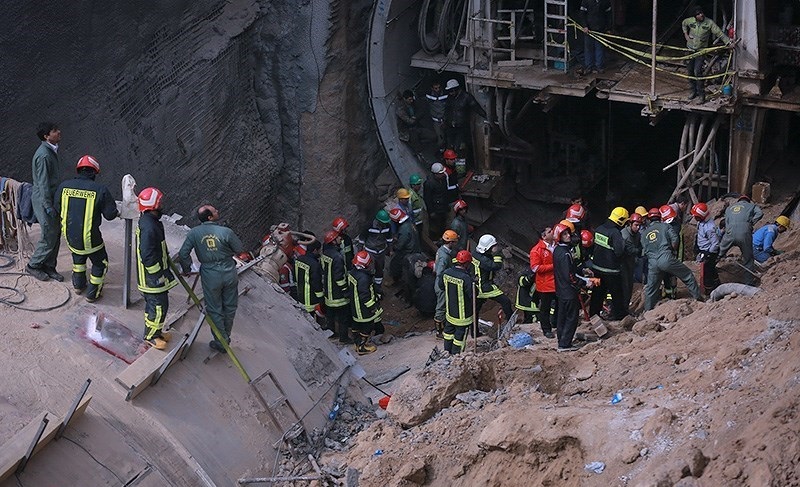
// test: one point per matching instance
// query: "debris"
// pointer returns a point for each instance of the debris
(384, 402)
(35, 326)
(519, 340)
(596, 467)
(616, 398)
(377, 453)
(390, 375)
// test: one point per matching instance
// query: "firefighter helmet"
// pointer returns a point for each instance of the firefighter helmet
(150, 199)
(449, 236)
(90, 162)
(635, 218)
(558, 230)
(340, 224)
(460, 205)
(575, 213)
(330, 236)
(587, 238)
(463, 257)
(667, 213)
(382, 216)
(397, 215)
(619, 215)
(654, 214)
(362, 260)
(699, 211)
(485, 243)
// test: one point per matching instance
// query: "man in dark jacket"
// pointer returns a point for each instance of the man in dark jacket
(436, 200)
(46, 176)
(334, 277)
(458, 285)
(460, 104)
(595, 16)
(365, 307)
(487, 261)
(408, 127)
(568, 285)
(609, 250)
(83, 202)
(308, 273)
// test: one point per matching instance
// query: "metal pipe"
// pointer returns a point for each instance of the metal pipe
(73, 408)
(32, 446)
(653, 53)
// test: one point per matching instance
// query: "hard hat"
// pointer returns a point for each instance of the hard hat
(414, 180)
(362, 259)
(783, 221)
(575, 213)
(403, 194)
(150, 199)
(635, 218)
(619, 215)
(654, 214)
(641, 210)
(558, 230)
(330, 236)
(382, 216)
(431, 264)
(463, 257)
(699, 210)
(460, 205)
(450, 154)
(587, 238)
(449, 236)
(339, 224)
(485, 243)
(397, 215)
(667, 213)
(451, 84)
(90, 162)
(568, 224)
(437, 168)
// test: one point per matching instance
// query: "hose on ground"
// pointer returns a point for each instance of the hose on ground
(14, 296)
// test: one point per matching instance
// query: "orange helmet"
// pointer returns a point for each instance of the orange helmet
(463, 257)
(150, 199)
(460, 205)
(587, 238)
(568, 224)
(339, 224)
(362, 260)
(558, 230)
(330, 236)
(575, 213)
(699, 211)
(450, 154)
(90, 162)
(449, 236)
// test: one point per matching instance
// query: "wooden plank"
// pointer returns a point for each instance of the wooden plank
(138, 376)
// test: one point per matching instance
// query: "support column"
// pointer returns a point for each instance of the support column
(746, 132)
(750, 28)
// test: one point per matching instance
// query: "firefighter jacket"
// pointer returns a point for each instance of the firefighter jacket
(334, 276)
(444, 259)
(46, 175)
(659, 240)
(458, 296)
(364, 305)
(567, 281)
(153, 271)
(378, 237)
(526, 292)
(459, 225)
(346, 248)
(215, 245)
(458, 107)
(486, 265)
(436, 195)
(609, 247)
(407, 242)
(541, 260)
(82, 203)
(308, 273)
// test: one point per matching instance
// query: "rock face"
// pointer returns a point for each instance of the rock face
(212, 101)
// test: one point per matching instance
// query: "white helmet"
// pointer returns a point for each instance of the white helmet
(485, 243)
(451, 84)
(437, 168)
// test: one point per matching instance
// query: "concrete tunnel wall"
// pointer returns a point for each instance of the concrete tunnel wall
(212, 101)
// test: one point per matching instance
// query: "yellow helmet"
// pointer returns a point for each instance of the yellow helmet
(641, 210)
(783, 221)
(568, 224)
(403, 193)
(619, 215)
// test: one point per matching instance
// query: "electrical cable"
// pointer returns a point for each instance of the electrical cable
(9, 261)
(14, 303)
(422, 30)
(93, 458)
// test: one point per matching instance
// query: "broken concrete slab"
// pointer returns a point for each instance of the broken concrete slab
(389, 375)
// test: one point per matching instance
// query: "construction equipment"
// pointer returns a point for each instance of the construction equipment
(556, 48)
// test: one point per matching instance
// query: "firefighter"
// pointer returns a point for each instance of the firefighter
(707, 246)
(82, 202)
(424, 298)
(154, 275)
(406, 244)
(459, 224)
(527, 297)
(215, 245)
(633, 249)
(449, 158)
(308, 273)
(340, 226)
(659, 244)
(378, 241)
(444, 259)
(740, 218)
(365, 308)
(458, 289)
(609, 248)
(568, 284)
(487, 261)
(334, 284)
(417, 201)
(541, 262)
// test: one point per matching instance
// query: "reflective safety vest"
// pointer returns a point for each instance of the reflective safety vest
(308, 272)
(153, 271)
(485, 265)
(364, 305)
(526, 293)
(82, 203)
(335, 276)
(458, 296)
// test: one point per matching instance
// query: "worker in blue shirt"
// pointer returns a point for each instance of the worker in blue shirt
(764, 237)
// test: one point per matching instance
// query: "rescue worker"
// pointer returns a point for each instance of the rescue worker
(408, 127)
(46, 177)
(527, 298)
(764, 238)
(365, 308)
(449, 158)
(609, 249)
(340, 226)
(698, 30)
(286, 279)
(437, 100)
(458, 291)
(435, 195)
(642, 211)
(425, 295)
(631, 237)
(444, 259)
(215, 245)
(154, 275)
(458, 108)
(679, 205)
(486, 262)
(308, 272)
(568, 284)
(740, 218)
(708, 238)
(587, 249)
(378, 241)
(459, 224)
(82, 203)
(659, 244)
(407, 243)
(541, 262)
(334, 284)
(417, 201)
(404, 203)
(595, 15)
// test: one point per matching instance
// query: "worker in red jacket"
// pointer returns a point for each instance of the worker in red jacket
(541, 260)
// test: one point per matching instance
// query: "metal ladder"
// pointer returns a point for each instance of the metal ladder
(556, 48)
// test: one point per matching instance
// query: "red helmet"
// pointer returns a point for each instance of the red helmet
(90, 162)
(450, 154)
(587, 238)
(463, 257)
(431, 264)
(744, 197)
(558, 230)
(667, 213)
(397, 215)
(575, 213)
(339, 224)
(330, 236)
(699, 211)
(150, 199)
(635, 218)
(460, 205)
(654, 214)
(362, 260)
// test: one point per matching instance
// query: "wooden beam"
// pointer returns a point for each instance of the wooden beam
(711, 136)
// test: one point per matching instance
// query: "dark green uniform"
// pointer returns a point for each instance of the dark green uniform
(659, 242)
(458, 308)
(82, 203)
(153, 274)
(334, 277)
(406, 243)
(46, 176)
(215, 245)
(740, 218)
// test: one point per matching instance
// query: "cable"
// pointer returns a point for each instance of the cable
(9, 261)
(10, 301)
(93, 458)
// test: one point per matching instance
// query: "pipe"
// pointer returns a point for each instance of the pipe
(697, 158)
(653, 53)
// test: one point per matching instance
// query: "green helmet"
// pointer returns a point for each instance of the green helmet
(414, 179)
(382, 216)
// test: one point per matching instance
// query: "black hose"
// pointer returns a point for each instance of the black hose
(422, 30)
(451, 21)
(18, 297)
(9, 261)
